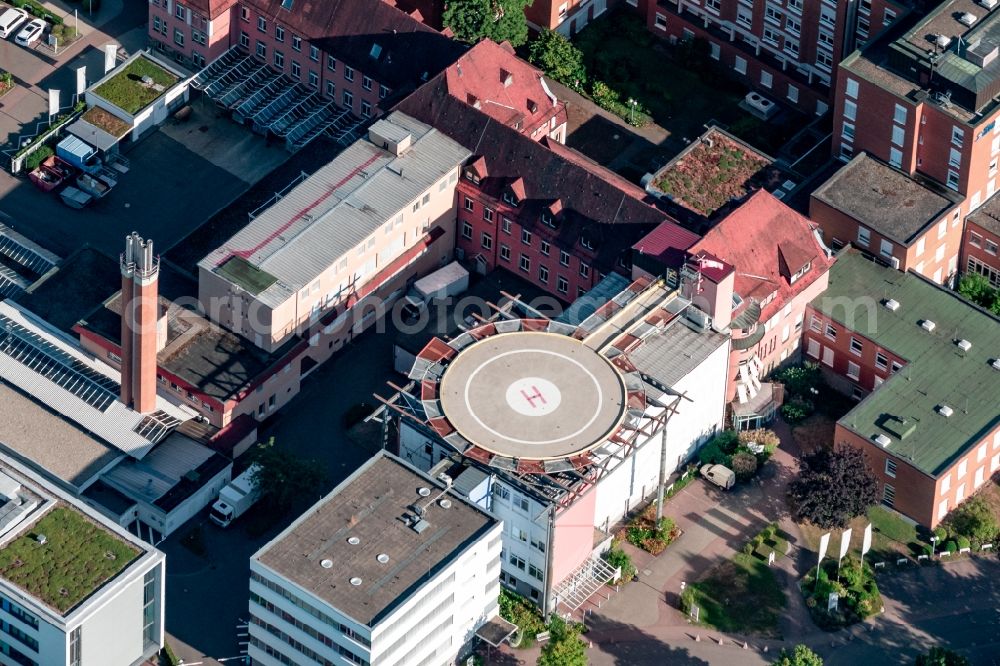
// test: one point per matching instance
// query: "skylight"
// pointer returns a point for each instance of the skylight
(286, 4)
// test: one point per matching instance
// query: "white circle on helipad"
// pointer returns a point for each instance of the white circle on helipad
(533, 396)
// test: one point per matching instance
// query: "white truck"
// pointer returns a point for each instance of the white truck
(443, 283)
(235, 498)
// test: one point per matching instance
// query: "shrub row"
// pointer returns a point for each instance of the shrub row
(35, 8)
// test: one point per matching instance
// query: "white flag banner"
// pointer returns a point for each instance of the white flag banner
(81, 79)
(53, 102)
(845, 543)
(824, 543)
(866, 545)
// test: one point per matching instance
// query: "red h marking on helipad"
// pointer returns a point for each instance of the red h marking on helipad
(537, 395)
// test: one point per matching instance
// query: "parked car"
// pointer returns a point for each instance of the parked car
(30, 33)
(10, 20)
(51, 173)
(720, 475)
(75, 198)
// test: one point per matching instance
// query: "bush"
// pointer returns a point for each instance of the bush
(32, 161)
(941, 533)
(951, 546)
(515, 608)
(749, 547)
(36, 9)
(617, 557)
(745, 465)
(963, 542)
(720, 449)
(167, 655)
(797, 410)
(801, 380)
(975, 520)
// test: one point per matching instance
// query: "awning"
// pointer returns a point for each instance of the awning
(92, 134)
(758, 404)
(588, 578)
(496, 631)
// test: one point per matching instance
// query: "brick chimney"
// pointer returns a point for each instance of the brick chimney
(140, 310)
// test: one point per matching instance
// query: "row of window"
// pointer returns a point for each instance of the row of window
(21, 636)
(303, 649)
(306, 628)
(18, 613)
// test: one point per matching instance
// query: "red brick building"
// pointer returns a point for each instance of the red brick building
(788, 51)
(364, 54)
(907, 223)
(538, 209)
(981, 241)
(922, 362)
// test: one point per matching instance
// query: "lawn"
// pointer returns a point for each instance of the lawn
(108, 122)
(77, 558)
(892, 535)
(126, 89)
(814, 433)
(740, 595)
(678, 86)
(242, 272)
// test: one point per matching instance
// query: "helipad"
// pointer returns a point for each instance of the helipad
(532, 395)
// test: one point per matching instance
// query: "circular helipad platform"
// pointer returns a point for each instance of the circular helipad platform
(532, 395)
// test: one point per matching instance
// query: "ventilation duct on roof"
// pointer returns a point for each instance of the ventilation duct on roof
(928, 325)
(891, 304)
(967, 19)
(945, 410)
(989, 4)
(964, 345)
(996, 364)
(942, 41)
(882, 440)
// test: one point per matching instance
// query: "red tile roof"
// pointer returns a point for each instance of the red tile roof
(408, 51)
(756, 238)
(595, 204)
(667, 243)
(211, 9)
(505, 87)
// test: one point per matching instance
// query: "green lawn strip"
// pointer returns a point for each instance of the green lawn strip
(126, 89)
(740, 595)
(77, 558)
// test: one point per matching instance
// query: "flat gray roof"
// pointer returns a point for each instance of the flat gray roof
(330, 213)
(369, 506)
(884, 199)
(532, 395)
(987, 216)
(670, 356)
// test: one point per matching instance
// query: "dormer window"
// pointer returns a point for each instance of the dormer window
(471, 176)
(587, 243)
(548, 220)
(532, 106)
(506, 78)
(509, 198)
(473, 101)
(799, 273)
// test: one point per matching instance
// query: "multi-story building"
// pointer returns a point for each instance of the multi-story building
(981, 242)
(572, 427)
(567, 17)
(363, 55)
(343, 244)
(788, 51)
(924, 101)
(924, 363)
(106, 606)
(538, 209)
(907, 223)
(392, 567)
(753, 274)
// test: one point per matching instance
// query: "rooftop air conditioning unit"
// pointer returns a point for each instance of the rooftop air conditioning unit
(892, 304)
(945, 411)
(928, 325)
(964, 345)
(942, 41)
(996, 364)
(882, 440)
(761, 103)
(967, 19)
(989, 4)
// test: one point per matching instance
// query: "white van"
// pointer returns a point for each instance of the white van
(10, 20)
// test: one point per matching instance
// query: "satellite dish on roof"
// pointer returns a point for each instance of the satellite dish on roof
(423, 491)
(326, 564)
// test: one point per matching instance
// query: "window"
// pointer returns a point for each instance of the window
(521, 503)
(279, 59)
(792, 26)
(261, 49)
(990, 247)
(850, 109)
(470, 205)
(856, 346)
(899, 115)
(150, 631)
(888, 495)
(517, 562)
(975, 240)
(314, 82)
(525, 263)
(766, 79)
(313, 53)
(853, 370)
(197, 37)
(864, 236)
(178, 37)
(586, 243)
(466, 230)
(518, 533)
(824, 61)
(525, 236)
(955, 158)
(331, 89)
(366, 82)
(847, 131)
(793, 94)
(544, 246)
(331, 63)
(715, 51)
(348, 73)
(505, 225)
(831, 332)
(366, 109)
(348, 99)
(296, 70)
(564, 257)
(562, 285)
(262, 24)
(744, 17)
(660, 22)
(885, 248)
(881, 362)
(890, 467)
(895, 156)
(770, 36)
(957, 136)
(244, 40)
(296, 42)
(279, 33)
(75, 647)
(888, 17)
(504, 252)
(946, 484)
(543, 274)
(487, 214)
(584, 270)
(851, 90)
(897, 135)
(383, 92)
(245, 13)
(534, 572)
(198, 59)
(952, 181)
(963, 468)
(487, 241)
(740, 65)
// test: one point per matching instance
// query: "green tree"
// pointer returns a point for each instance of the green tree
(565, 647)
(977, 289)
(975, 520)
(499, 20)
(282, 477)
(938, 656)
(557, 56)
(800, 656)
(833, 487)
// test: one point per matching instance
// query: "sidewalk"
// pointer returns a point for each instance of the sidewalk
(87, 25)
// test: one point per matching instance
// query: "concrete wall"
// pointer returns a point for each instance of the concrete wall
(198, 501)
(573, 541)
(114, 634)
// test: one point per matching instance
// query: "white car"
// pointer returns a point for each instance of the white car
(30, 33)
(10, 20)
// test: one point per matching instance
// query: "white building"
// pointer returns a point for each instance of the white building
(392, 567)
(564, 438)
(110, 612)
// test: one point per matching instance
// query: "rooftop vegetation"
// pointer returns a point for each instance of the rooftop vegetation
(126, 89)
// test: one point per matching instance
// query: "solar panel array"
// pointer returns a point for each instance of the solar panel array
(36, 263)
(156, 426)
(44, 358)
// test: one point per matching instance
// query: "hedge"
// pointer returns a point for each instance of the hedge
(36, 9)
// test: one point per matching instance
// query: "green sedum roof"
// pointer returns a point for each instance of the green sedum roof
(241, 272)
(937, 372)
(78, 557)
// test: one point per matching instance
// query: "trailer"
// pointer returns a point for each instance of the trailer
(235, 498)
(75, 198)
(443, 283)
